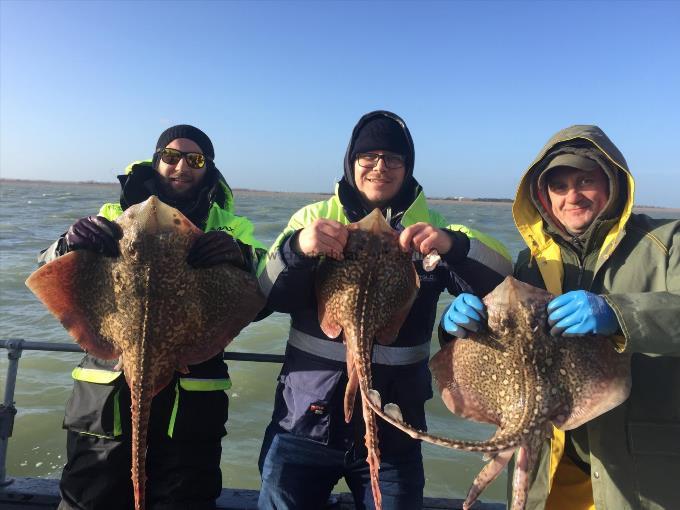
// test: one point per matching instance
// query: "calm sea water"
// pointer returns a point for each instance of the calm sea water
(33, 215)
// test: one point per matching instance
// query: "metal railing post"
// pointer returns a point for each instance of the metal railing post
(7, 409)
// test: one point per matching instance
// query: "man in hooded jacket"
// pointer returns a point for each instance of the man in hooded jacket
(615, 273)
(308, 446)
(188, 417)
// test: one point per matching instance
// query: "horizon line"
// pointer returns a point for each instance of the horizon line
(448, 199)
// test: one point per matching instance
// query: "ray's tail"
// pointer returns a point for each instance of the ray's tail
(141, 393)
(392, 415)
(141, 408)
(371, 426)
(364, 344)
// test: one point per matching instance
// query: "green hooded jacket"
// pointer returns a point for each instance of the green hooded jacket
(634, 262)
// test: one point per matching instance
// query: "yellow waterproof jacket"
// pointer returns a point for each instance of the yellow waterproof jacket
(634, 449)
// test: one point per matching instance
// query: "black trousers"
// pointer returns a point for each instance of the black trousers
(181, 475)
(183, 471)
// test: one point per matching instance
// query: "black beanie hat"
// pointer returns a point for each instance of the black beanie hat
(381, 133)
(184, 131)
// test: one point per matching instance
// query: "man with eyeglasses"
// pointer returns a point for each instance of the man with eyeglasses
(308, 446)
(188, 417)
(614, 273)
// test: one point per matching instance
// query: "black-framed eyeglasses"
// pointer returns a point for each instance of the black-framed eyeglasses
(172, 157)
(370, 160)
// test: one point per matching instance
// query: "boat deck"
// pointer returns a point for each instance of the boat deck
(43, 494)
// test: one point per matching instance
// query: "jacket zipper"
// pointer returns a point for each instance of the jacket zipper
(580, 273)
(577, 242)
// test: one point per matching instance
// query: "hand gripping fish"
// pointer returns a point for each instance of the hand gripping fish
(518, 377)
(366, 297)
(148, 308)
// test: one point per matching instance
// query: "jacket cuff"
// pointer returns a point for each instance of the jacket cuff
(246, 256)
(444, 337)
(55, 250)
(460, 246)
(292, 258)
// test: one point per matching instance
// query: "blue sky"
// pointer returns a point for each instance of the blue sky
(87, 87)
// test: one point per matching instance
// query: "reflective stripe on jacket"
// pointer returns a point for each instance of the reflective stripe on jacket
(97, 408)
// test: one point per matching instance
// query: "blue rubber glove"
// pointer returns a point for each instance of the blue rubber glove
(579, 312)
(464, 315)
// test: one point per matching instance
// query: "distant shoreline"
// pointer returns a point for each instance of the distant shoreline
(434, 200)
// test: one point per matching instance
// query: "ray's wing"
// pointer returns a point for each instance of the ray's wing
(327, 323)
(596, 379)
(226, 300)
(65, 286)
(326, 286)
(388, 334)
(460, 395)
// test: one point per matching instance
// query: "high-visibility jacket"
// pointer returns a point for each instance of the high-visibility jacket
(312, 380)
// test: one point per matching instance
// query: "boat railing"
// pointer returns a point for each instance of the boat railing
(16, 346)
(38, 494)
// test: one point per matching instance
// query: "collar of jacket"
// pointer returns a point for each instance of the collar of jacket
(138, 184)
(407, 208)
(544, 249)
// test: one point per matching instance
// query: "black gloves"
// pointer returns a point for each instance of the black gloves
(213, 248)
(94, 233)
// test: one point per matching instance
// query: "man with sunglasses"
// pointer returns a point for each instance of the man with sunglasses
(188, 417)
(308, 446)
(615, 273)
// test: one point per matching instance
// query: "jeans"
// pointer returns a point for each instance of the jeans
(299, 474)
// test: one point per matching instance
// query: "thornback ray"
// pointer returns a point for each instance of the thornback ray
(148, 307)
(366, 296)
(519, 378)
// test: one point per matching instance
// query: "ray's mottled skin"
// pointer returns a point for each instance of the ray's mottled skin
(148, 308)
(366, 297)
(518, 377)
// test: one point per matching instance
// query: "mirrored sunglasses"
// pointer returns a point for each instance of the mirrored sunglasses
(172, 157)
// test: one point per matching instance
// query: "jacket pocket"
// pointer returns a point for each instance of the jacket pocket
(200, 406)
(94, 405)
(303, 404)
